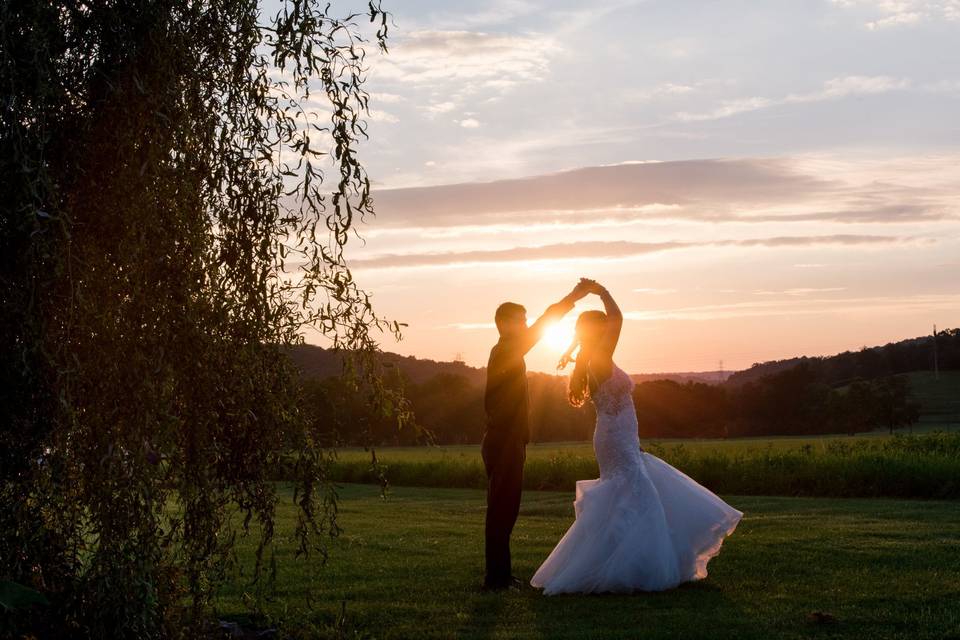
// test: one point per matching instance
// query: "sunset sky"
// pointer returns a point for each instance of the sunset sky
(751, 180)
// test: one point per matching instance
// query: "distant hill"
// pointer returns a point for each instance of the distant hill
(905, 356)
(799, 396)
(317, 362)
(759, 369)
(708, 377)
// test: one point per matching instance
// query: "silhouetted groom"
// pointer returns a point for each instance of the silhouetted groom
(507, 432)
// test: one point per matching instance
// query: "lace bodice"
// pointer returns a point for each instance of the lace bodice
(615, 393)
(615, 439)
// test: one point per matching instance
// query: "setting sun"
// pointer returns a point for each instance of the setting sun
(558, 336)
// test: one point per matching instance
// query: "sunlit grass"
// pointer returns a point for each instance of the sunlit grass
(409, 567)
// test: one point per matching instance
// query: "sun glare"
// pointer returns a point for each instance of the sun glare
(558, 336)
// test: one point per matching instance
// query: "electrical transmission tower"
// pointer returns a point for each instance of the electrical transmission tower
(936, 366)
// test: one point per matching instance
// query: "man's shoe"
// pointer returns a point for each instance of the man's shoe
(494, 586)
(513, 583)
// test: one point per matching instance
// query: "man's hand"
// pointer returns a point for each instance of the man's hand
(587, 286)
(583, 288)
(595, 287)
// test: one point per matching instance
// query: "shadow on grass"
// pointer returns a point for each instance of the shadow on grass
(681, 612)
(484, 616)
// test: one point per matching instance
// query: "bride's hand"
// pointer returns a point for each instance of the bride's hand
(594, 287)
(567, 356)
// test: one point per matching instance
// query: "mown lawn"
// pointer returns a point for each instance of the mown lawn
(409, 567)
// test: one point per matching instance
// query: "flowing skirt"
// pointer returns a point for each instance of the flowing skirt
(648, 527)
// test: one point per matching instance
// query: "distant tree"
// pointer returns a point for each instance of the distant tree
(448, 408)
(552, 417)
(793, 401)
(167, 230)
(344, 413)
(854, 409)
(895, 409)
(668, 409)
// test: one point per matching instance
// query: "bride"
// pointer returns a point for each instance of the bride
(643, 525)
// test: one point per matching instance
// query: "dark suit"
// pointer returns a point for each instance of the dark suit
(506, 437)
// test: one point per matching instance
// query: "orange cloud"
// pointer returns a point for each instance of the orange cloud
(607, 250)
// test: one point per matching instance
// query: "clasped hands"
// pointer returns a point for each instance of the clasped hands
(585, 287)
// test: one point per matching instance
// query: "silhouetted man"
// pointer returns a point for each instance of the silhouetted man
(507, 432)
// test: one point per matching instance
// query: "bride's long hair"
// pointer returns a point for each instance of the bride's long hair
(589, 330)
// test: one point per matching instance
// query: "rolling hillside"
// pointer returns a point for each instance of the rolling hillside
(904, 356)
(939, 398)
(317, 362)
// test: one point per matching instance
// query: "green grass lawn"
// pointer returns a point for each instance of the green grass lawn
(409, 567)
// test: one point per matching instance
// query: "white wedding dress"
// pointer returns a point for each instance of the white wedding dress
(643, 525)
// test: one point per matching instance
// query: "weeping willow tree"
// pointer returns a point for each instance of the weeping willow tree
(180, 179)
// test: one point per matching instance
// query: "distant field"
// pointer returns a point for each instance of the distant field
(548, 450)
(926, 465)
(551, 449)
(939, 396)
(409, 567)
(923, 461)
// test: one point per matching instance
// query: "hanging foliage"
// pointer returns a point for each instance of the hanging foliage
(180, 179)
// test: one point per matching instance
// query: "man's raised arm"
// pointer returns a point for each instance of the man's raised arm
(554, 312)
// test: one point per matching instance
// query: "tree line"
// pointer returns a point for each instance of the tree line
(851, 392)
(448, 408)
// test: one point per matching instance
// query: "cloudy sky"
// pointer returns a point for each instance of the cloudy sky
(751, 180)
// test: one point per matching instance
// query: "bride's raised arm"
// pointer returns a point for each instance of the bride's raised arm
(614, 321)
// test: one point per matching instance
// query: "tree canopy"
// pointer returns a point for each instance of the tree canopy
(173, 213)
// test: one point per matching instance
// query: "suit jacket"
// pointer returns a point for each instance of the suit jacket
(506, 398)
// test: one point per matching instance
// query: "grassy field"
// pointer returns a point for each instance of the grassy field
(547, 450)
(409, 567)
(926, 465)
(938, 395)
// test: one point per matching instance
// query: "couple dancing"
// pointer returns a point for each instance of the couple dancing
(641, 526)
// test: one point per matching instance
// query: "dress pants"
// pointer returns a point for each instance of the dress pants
(503, 459)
